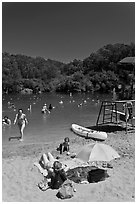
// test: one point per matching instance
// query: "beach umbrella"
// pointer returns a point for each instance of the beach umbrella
(97, 152)
(128, 63)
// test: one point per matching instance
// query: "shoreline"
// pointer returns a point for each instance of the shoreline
(20, 176)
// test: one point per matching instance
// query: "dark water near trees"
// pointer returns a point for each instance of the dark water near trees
(79, 108)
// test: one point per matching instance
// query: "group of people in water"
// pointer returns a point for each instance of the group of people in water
(21, 120)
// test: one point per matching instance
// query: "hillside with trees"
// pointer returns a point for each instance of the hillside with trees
(97, 73)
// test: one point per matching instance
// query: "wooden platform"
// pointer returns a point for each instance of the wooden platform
(110, 113)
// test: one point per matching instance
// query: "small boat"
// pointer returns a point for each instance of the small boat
(88, 133)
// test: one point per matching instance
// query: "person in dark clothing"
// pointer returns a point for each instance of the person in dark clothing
(64, 147)
(50, 107)
(58, 176)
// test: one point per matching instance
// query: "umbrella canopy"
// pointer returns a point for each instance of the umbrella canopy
(128, 60)
(97, 152)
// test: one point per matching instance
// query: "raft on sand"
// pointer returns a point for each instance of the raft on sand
(88, 133)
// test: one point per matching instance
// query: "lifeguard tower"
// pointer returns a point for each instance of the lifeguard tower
(119, 111)
(111, 113)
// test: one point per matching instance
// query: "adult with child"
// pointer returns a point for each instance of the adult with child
(45, 109)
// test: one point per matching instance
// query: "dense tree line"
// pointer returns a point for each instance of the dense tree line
(98, 72)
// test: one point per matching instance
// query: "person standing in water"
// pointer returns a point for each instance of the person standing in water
(21, 119)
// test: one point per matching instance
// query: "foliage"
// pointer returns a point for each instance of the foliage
(98, 72)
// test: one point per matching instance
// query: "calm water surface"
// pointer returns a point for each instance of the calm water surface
(79, 108)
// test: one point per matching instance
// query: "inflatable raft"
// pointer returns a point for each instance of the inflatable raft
(88, 133)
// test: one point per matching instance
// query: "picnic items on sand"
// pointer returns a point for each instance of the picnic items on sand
(43, 185)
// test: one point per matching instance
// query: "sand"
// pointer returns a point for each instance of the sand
(20, 177)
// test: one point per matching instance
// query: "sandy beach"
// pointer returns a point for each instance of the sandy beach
(20, 177)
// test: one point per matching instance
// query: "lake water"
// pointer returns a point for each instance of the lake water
(79, 108)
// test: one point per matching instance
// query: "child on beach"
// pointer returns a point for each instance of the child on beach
(64, 147)
(21, 119)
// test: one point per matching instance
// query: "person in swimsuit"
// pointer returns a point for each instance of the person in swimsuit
(21, 119)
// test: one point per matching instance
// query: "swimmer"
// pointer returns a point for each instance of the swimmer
(6, 121)
(50, 107)
(45, 109)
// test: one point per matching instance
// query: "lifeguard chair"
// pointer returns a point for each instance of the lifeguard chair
(109, 113)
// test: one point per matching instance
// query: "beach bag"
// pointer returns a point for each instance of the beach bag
(66, 190)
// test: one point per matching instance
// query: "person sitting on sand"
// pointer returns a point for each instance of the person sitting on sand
(6, 121)
(22, 121)
(64, 146)
(56, 173)
(58, 176)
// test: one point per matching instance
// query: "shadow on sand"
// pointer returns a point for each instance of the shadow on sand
(16, 138)
(91, 174)
(108, 128)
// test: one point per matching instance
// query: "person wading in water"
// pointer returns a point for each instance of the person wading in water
(21, 119)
